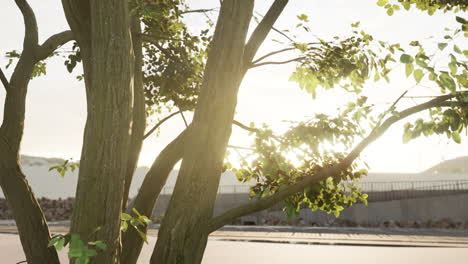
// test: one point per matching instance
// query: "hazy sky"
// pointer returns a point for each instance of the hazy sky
(56, 109)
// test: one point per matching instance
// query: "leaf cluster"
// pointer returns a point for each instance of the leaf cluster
(138, 221)
(174, 58)
(79, 251)
(450, 122)
(431, 6)
(273, 168)
(347, 62)
(68, 164)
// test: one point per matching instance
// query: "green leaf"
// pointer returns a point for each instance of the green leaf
(390, 11)
(101, 245)
(125, 217)
(124, 226)
(405, 58)
(355, 25)
(376, 77)
(54, 240)
(303, 17)
(409, 69)
(453, 68)
(442, 46)
(461, 20)
(382, 2)
(447, 81)
(418, 75)
(407, 136)
(142, 235)
(457, 49)
(82, 260)
(60, 244)
(456, 137)
(136, 212)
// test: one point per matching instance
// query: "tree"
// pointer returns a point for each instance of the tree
(116, 122)
(34, 233)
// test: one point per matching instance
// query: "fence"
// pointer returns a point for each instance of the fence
(369, 186)
(391, 193)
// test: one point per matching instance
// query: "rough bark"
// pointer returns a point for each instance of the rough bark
(139, 114)
(102, 30)
(30, 221)
(150, 189)
(182, 237)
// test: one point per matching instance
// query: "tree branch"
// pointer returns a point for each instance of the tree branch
(199, 11)
(282, 34)
(276, 62)
(239, 124)
(280, 51)
(324, 173)
(272, 53)
(4, 80)
(261, 31)
(52, 43)
(160, 123)
(153, 40)
(238, 147)
(31, 38)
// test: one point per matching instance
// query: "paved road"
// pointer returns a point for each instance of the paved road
(229, 252)
(322, 245)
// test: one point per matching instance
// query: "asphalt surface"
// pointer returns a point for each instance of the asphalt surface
(284, 245)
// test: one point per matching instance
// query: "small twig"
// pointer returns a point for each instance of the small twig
(159, 124)
(391, 107)
(185, 120)
(271, 54)
(276, 62)
(420, 96)
(4, 80)
(154, 40)
(239, 124)
(237, 147)
(283, 34)
(199, 11)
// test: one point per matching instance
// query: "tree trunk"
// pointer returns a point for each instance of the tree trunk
(139, 113)
(183, 234)
(30, 221)
(151, 187)
(102, 29)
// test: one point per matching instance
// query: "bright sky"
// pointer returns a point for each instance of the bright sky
(56, 111)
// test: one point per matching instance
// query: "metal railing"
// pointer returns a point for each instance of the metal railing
(367, 186)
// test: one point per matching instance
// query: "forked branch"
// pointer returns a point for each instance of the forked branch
(52, 43)
(261, 31)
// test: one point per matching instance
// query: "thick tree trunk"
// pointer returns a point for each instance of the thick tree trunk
(183, 234)
(151, 187)
(102, 29)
